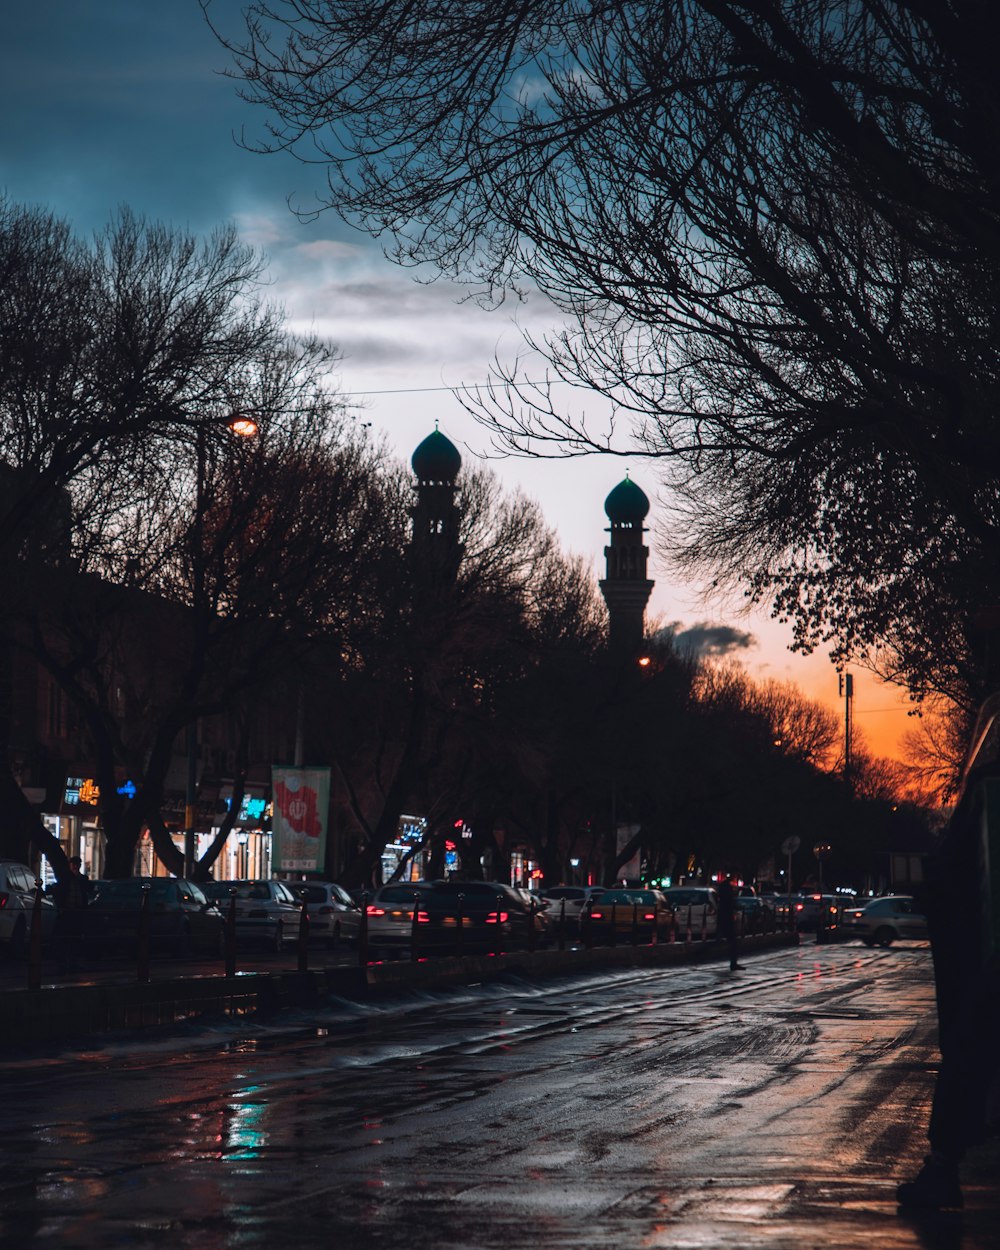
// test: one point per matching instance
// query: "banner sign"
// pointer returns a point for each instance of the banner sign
(298, 824)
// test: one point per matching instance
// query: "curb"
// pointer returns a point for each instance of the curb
(63, 1012)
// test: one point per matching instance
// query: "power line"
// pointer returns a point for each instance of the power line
(475, 386)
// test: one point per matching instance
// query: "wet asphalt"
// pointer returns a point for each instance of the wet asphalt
(682, 1107)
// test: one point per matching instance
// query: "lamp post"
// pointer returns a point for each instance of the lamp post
(243, 427)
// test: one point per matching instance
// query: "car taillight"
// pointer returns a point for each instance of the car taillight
(372, 910)
(3, 899)
(423, 917)
(597, 915)
(799, 906)
(498, 917)
(649, 915)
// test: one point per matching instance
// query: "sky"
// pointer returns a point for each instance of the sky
(106, 103)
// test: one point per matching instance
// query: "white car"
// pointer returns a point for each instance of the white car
(885, 920)
(333, 915)
(390, 913)
(266, 911)
(565, 902)
(17, 903)
(696, 910)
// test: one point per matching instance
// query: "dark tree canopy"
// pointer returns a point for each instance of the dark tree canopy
(772, 226)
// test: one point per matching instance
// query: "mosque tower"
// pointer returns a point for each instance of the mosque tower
(435, 545)
(625, 586)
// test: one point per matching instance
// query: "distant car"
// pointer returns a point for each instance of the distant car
(390, 913)
(467, 917)
(17, 904)
(266, 911)
(575, 899)
(181, 917)
(696, 908)
(886, 920)
(333, 915)
(621, 913)
(811, 911)
(753, 913)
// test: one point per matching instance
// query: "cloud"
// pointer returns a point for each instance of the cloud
(705, 640)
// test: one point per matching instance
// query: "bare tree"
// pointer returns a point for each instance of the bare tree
(772, 229)
(124, 359)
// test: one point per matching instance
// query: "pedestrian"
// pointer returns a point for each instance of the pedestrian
(726, 891)
(71, 895)
(967, 987)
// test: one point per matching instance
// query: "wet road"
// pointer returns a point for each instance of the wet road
(685, 1107)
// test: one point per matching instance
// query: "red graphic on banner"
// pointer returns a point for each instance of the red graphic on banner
(298, 809)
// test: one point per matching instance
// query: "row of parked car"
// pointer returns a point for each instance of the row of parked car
(441, 916)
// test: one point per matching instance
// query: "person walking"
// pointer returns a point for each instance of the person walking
(726, 891)
(71, 895)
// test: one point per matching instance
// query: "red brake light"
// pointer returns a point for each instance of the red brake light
(503, 917)
(649, 915)
(3, 899)
(597, 915)
(375, 911)
(422, 917)
(799, 906)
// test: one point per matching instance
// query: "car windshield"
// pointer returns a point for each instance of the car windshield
(627, 896)
(398, 893)
(566, 891)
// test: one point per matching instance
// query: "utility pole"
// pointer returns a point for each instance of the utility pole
(846, 689)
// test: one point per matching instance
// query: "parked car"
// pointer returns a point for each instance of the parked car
(266, 911)
(333, 915)
(886, 920)
(575, 898)
(753, 914)
(456, 917)
(696, 908)
(390, 913)
(809, 911)
(181, 917)
(17, 903)
(621, 913)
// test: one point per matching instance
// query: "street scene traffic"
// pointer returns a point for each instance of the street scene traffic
(676, 1107)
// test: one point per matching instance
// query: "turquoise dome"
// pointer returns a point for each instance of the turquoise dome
(436, 459)
(627, 503)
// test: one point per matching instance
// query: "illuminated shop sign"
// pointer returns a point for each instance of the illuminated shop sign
(81, 790)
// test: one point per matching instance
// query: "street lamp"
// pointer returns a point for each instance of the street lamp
(242, 426)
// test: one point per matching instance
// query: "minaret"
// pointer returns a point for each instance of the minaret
(625, 587)
(437, 552)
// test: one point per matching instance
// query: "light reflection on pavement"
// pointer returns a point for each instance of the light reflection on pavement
(682, 1107)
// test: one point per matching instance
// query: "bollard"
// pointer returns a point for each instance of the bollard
(415, 929)
(498, 944)
(531, 931)
(614, 924)
(35, 941)
(303, 944)
(688, 934)
(229, 935)
(142, 943)
(655, 936)
(635, 923)
(363, 931)
(587, 923)
(704, 922)
(461, 924)
(562, 924)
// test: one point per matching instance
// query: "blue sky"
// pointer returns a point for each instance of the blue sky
(111, 102)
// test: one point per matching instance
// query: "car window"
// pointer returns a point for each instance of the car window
(396, 894)
(283, 893)
(311, 893)
(565, 891)
(20, 878)
(341, 895)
